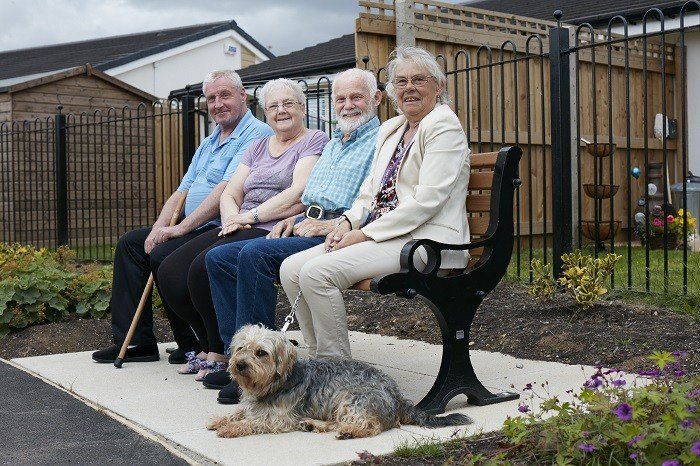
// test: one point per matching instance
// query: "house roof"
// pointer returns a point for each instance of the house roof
(595, 12)
(324, 58)
(109, 52)
(39, 79)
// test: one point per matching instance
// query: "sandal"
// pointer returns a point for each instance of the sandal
(193, 365)
(211, 366)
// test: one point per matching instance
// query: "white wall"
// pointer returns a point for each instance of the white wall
(175, 69)
(692, 41)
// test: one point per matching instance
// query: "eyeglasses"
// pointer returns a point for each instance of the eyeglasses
(287, 104)
(417, 81)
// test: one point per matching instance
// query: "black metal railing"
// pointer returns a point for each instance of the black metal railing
(83, 180)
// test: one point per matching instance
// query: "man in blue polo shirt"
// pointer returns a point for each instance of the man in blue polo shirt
(140, 252)
(250, 296)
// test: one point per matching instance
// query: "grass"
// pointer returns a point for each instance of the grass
(420, 448)
(95, 252)
(633, 286)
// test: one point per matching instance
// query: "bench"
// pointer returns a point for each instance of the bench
(454, 298)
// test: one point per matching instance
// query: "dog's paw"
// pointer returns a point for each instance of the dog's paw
(228, 431)
(307, 425)
(215, 424)
(344, 436)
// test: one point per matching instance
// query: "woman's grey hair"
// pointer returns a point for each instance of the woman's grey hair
(228, 74)
(282, 83)
(422, 59)
(368, 78)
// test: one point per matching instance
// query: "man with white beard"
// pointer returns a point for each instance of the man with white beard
(242, 275)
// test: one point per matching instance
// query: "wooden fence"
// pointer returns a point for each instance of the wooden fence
(498, 80)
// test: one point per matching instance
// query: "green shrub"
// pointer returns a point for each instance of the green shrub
(40, 285)
(653, 422)
(582, 276)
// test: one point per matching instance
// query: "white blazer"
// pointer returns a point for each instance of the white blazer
(431, 185)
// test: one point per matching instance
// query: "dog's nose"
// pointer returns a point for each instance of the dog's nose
(241, 366)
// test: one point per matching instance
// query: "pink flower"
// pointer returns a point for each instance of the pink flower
(669, 219)
(658, 222)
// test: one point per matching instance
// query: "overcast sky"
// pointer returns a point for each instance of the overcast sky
(282, 25)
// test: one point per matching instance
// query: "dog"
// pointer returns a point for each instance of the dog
(281, 393)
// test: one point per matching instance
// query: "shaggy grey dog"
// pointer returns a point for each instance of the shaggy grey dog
(282, 393)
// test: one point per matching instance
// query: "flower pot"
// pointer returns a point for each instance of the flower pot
(657, 242)
(588, 229)
(604, 149)
(600, 191)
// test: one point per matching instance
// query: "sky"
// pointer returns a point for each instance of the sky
(282, 25)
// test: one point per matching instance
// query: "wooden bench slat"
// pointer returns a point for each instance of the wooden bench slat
(478, 225)
(477, 203)
(480, 181)
(483, 160)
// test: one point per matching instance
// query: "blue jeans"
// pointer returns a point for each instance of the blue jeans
(249, 297)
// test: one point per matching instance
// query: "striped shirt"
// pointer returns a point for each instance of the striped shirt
(335, 180)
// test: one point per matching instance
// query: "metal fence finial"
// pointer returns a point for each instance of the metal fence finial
(365, 60)
(558, 15)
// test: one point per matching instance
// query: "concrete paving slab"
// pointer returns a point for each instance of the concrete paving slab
(176, 409)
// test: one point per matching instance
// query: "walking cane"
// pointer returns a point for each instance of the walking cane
(146, 292)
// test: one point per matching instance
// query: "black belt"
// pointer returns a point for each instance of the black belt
(319, 213)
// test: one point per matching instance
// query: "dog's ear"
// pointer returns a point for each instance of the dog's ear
(285, 356)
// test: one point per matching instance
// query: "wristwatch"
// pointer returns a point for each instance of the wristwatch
(254, 211)
(344, 218)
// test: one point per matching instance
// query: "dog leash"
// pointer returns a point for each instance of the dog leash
(289, 320)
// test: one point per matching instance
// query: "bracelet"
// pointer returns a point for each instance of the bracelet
(344, 218)
(254, 211)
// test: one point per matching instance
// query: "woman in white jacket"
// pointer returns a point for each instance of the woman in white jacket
(416, 189)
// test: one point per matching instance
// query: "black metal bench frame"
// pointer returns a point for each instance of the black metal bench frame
(454, 299)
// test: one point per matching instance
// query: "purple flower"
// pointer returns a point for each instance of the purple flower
(671, 463)
(693, 393)
(528, 386)
(679, 372)
(585, 433)
(680, 354)
(686, 424)
(650, 373)
(623, 412)
(633, 456)
(619, 382)
(696, 448)
(593, 383)
(635, 439)
(523, 408)
(587, 447)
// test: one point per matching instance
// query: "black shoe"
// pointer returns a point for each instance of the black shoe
(171, 350)
(230, 394)
(217, 380)
(141, 353)
(178, 355)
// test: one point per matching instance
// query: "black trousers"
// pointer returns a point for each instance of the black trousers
(132, 267)
(184, 284)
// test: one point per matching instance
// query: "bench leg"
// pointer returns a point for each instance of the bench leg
(456, 375)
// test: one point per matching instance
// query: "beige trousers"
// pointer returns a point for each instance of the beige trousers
(322, 276)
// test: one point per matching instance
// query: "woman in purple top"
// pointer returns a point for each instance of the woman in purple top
(265, 188)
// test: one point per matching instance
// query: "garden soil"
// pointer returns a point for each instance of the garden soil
(612, 333)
